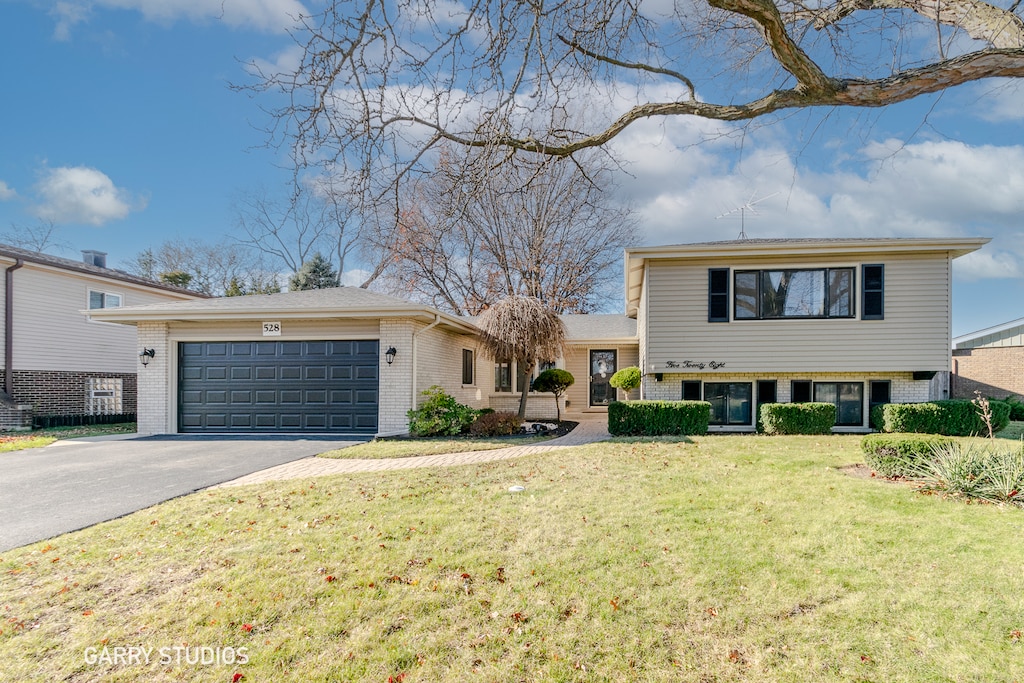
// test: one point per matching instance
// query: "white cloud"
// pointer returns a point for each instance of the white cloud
(988, 263)
(265, 15)
(998, 99)
(67, 15)
(6, 192)
(81, 194)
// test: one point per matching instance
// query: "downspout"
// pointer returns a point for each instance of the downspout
(437, 321)
(9, 327)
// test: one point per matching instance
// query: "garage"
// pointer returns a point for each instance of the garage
(278, 386)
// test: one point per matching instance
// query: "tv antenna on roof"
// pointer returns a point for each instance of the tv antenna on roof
(742, 211)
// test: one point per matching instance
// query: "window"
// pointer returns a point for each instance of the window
(691, 390)
(503, 376)
(880, 392)
(767, 391)
(769, 294)
(467, 366)
(104, 300)
(730, 402)
(847, 397)
(873, 304)
(800, 391)
(718, 295)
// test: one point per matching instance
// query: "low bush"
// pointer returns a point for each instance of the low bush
(796, 418)
(496, 424)
(900, 455)
(658, 418)
(953, 417)
(440, 415)
(982, 470)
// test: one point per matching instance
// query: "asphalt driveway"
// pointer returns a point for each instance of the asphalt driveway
(76, 483)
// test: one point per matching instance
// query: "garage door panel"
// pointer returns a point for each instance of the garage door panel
(269, 386)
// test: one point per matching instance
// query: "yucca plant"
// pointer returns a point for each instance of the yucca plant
(976, 469)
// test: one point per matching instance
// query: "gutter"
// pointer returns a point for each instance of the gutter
(437, 321)
(9, 326)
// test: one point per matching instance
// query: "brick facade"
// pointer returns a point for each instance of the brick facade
(64, 392)
(997, 372)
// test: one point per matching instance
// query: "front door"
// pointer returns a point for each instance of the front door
(602, 367)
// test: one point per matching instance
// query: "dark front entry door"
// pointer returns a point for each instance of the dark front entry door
(602, 367)
(278, 386)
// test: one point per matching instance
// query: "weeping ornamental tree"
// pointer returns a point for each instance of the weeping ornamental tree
(523, 329)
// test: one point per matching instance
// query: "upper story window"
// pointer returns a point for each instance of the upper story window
(104, 299)
(873, 307)
(793, 293)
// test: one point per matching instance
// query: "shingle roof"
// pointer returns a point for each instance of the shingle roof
(597, 326)
(81, 267)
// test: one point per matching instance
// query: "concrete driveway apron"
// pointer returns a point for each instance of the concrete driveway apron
(76, 483)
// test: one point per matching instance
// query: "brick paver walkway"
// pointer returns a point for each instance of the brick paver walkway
(587, 431)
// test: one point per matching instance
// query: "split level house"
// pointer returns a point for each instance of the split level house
(57, 362)
(853, 322)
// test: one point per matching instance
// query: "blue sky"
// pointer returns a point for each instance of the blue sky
(119, 126)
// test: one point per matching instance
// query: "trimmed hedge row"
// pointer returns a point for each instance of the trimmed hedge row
(901, 455)
(658, 418)
(952, 417)
(796, 418)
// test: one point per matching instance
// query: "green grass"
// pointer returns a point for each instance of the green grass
(726, 558)
(407, 448)
(17, 441)
(1014, 431)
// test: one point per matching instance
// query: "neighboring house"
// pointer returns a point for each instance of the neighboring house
(990, 361)
(57, 362)
(852, 322)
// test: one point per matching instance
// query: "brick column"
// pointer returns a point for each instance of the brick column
(154, 381)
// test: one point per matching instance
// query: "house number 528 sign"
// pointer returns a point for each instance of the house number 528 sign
(272, 329)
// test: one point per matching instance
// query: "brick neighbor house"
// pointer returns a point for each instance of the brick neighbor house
(990, 361)
(57, 363)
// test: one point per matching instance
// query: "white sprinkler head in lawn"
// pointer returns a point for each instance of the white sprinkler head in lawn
(516, 489)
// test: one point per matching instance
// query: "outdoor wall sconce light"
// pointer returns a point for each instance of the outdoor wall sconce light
(390, 354)
(145, 355)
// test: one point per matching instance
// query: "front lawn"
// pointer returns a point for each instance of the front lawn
(407, 448)
(17, 441)
(726, 558)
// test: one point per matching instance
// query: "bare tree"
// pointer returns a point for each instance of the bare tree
(211, 268)
(473, 232)
(41, 236)
(315, 218)
(523, 329)
(379, 84)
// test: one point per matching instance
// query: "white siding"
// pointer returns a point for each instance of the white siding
(913, 336)
(51, 332)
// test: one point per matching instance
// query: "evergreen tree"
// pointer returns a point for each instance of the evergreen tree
(316, 273)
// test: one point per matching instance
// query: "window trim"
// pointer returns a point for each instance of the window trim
(716, 297)
(826, 300)
(104, 294)
(468, 369)
(880, 290)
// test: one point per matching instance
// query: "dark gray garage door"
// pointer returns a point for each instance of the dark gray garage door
(278, 386)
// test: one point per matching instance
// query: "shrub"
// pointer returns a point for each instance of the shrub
(1016, 407)
(953, 417)
(658, 418)
(900, 455)
(626, 379)
(496, 424)
(554, 381)
(982, 470)
(439, 414)
(796, 418)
